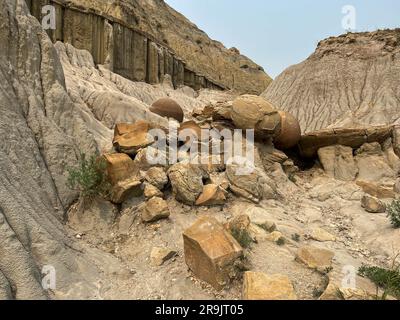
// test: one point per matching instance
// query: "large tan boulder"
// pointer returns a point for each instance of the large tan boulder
(338, 162)
(130, 138)
(159, 255)
(254, 112)
(260, 286)
(187, 181)
(169, 108)
(315, 258)
(211, 251)
(289, 133)
(248, 111)
(120, 167)
(124, 177)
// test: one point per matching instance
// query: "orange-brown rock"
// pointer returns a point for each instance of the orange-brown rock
(123, 190)
(124, 177)
(211, 251)
(212, 195)
(289, 134)
(129, 138)
(315, 258)
(168, 108)
(310, 143)
(260, 286)
(155, 209)
(120, 167)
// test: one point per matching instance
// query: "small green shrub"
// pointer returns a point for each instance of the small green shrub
(281, 241)
(296, 237)
(387, 279)
(393, 212)
(89, 177)
(292, 177)
(242, 236)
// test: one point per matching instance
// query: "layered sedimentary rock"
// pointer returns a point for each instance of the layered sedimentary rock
(350, 80)
(146, 49)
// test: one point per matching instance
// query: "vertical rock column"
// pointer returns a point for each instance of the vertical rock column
(168, 63)
(178, 76)
(139, 57)
(85, 31)
(152, 63)
(189, 78)
(123, 51)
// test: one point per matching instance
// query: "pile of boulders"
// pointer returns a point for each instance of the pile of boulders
(205, 182)
(215, 251)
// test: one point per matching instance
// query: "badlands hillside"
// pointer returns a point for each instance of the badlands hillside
(296, 223)
(348, 81)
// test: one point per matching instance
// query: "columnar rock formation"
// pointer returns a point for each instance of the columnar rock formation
(136, 51)
(349, 80)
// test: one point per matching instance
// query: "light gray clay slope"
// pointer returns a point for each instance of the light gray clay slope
(41, 130)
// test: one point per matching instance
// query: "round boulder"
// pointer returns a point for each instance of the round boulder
(166, 107)
(290, 132)
(249, 110)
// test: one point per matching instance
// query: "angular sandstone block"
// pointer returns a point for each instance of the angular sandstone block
(129, 138)
(211, 251)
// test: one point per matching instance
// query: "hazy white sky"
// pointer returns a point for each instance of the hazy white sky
(279, 33)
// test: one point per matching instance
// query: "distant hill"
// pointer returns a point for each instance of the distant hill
(349, 80)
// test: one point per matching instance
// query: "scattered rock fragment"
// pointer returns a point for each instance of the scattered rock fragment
(261, 218)
(276, 237)
(315, 258)
(372, 204)
(260, 286)
(321, 235)
(126, 189)
(159, 255)
(155, 209)
(210, 252)
(157, 177)
(212, 195)
(151, 191)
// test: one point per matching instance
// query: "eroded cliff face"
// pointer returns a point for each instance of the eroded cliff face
(187, 53)
(350, 80)
(46, 121)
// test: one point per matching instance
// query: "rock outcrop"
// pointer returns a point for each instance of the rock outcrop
(144, 40)
(349, 80)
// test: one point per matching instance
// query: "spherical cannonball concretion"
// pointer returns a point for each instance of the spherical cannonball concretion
(290, 132)
(168, 108)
